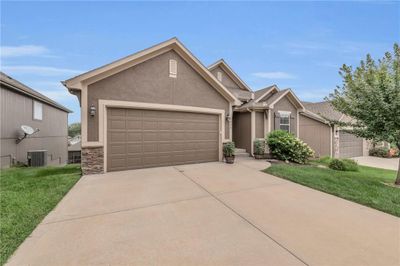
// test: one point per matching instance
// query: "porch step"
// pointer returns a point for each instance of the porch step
(241, 153)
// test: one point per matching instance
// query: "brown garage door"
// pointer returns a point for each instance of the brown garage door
(149, 138)
(350, 145)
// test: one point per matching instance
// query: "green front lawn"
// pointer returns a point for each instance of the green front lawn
(26, 196)
(369, 186)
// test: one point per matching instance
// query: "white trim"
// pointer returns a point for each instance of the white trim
(266, 93)
(265, 123)
(104, 104)
(269, 120)
(144, 55)
(331, 146)
(285, 113)
(271, 105)
(230, 125)
(298, 124)
(253, 130)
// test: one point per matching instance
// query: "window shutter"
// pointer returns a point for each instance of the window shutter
(277, 121)
(173, 68)
(292, 125)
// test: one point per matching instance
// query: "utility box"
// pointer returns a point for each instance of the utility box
(37, 158)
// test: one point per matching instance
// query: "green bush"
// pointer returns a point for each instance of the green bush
(325, 160)
(379, 152)
(229, 149)
(259, 147)
(350, 165)
(284, 146)
(343, 165)
(337, 164)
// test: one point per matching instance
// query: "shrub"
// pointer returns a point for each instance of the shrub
(379, 152)
(325, 160)
(259, 147)
(337, 164)
(350, 165)
(284, 146)
(229, 149)
(343, 165)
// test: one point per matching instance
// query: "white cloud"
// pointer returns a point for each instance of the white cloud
(40, 70)
(23, 50)
(274, 75)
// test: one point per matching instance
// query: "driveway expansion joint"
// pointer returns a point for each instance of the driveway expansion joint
(126, 210)
(242, 217)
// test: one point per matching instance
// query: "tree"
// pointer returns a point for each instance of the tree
(370, 94)
(74, 129)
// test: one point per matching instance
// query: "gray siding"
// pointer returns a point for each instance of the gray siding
(226, 80)
(260, 125)
(316, 134)
(17, 110)
(150, 82)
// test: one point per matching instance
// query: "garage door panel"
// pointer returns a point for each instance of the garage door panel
(350, 145)
(117, 124)
(134, 148)
(133, 124)
(115, 137)
(118, 149)
(133, 136)
(148, 138)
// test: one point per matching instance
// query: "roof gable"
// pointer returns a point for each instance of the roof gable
(76, 83)
(230, 73)
(285, 93)
(15, 85)
(260, 94)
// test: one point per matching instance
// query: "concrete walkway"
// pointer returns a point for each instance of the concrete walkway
(385, 163)
(208, 214)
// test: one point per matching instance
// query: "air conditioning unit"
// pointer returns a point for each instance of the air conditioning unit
(37, 158)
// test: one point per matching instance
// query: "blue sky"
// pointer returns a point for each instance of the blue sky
(300, 45)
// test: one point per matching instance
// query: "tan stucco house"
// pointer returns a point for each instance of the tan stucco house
(21, 105)
(162, 106)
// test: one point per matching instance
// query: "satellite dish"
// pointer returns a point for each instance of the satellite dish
(27, 129)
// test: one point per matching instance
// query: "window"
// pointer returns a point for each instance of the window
(284, 121)
(37, 110)
(219, 76)
(173, 68)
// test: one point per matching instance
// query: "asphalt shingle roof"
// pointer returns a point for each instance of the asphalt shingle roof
(22, 88)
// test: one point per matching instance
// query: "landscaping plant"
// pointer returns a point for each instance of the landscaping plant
(285, 146)
(259, 148)
(229, 151)
(370, 94)
(343, 165)
(379, 152)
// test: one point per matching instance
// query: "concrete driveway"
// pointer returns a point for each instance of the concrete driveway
(385, 163)
(208, 214)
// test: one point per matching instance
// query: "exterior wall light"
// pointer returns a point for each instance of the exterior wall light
(228, 118)
(92, 110)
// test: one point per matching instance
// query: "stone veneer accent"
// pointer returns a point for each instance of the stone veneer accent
(92, 160)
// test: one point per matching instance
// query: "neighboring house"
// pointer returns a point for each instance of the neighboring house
(74, 149)
(162, 106)
(21, 105)
(345, 145)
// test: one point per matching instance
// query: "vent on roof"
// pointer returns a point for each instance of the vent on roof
(219, 75)
(173, 68)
